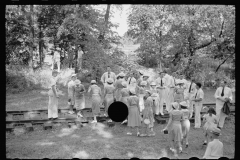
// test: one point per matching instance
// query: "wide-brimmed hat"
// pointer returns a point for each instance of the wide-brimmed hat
(109, 80)
(93, 82)
(121, 74)
(141, 72)
(132, 91)
(77, 82)
(74, 75)
(153, 84)
(184, 104)
(214, 130)
(175, 105)
(143, 83)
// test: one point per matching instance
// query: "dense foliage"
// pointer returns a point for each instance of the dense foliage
(181, 37)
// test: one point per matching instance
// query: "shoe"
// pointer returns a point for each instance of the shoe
(219, 127)
(125, 121)
(138, 134)
(186, 145)
(109, 120)
(129, 133)
(94, 121)
(180, 149)
(205, 143)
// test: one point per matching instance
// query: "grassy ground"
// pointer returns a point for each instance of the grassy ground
(99, 141)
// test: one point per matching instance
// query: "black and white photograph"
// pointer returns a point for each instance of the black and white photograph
(120, 81)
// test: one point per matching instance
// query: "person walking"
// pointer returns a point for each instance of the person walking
(107, 75)
(197, 99)
(185, 121)
(53, 97)
(134, 119)
(71, 92)
(96, 93)
(79, 97)
(174, 128)
(222, 95)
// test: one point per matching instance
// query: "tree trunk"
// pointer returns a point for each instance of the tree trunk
(40, 46)
(30, 62)
(80, 53)
(76, 59)
(102, 34)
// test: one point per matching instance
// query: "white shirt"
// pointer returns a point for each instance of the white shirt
(200, 94)
(164, 82)
(214, 150)
(169, 81)
(227, 94)
(56, 56)
(105, 77)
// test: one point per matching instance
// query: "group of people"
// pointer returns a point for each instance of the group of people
(145, 99)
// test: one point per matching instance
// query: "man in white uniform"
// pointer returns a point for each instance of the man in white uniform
(197, 99)
(107, 75)
(161, 86)
(169, 91)
(56, 59)
(71, 99)
(223, 94)
(190, 92)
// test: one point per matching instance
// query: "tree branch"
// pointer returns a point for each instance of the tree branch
(204, 44)
(223, 62)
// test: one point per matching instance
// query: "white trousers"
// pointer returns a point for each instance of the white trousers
(220, 116)
(198, 108)
(170, 99)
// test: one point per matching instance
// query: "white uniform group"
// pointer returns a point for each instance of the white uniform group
(144, 97)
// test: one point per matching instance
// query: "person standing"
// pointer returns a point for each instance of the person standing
(132, 82)
(118, 85)
(56, 59)
(155, 97)
(124, 96)
(108, 95)
(197, 100)
(107, 75)
(179, 92)
(134, 118)
(161, 85)
(71, 92)
(141, 93)
(170, 91)
(79, 97)
(191, 91)
(140, 79)
(96, 93)
(53, 97)
(174, 128)
(215, 147)
(146, 79)
(222, 95)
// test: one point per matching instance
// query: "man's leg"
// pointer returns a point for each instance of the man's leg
(197, 116)
(222, 119)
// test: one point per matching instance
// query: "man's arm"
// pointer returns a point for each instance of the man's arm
(103, 78)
